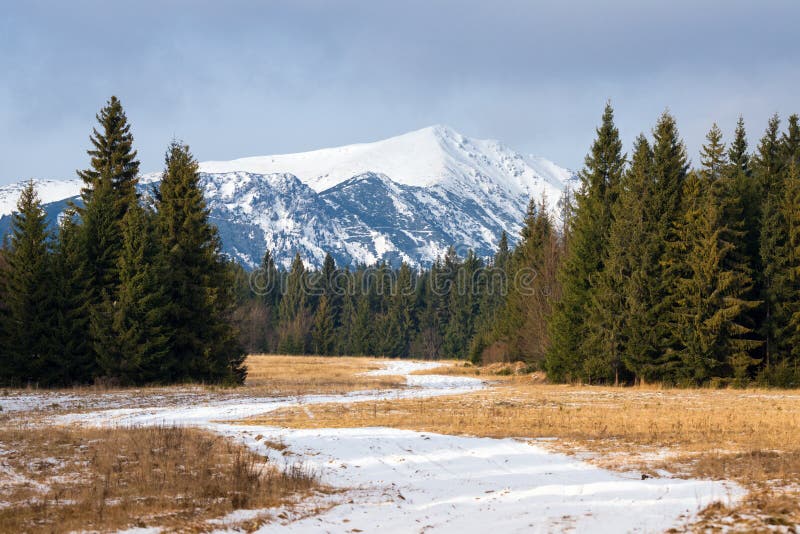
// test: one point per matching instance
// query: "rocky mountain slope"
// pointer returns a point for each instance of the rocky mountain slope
(406, 198)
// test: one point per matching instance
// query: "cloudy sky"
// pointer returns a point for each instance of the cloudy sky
(239, 78)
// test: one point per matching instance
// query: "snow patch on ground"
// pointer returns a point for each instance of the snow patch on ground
(403, 481)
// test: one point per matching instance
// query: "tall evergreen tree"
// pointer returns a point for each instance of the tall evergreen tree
(588, 240)
(790, 143)
(399, 320)
(669, 171)
(269, 284)
(710, 295)
(768, 170)
(141, 328)
(28, 349)
(198, 281)
(323, 333)
(626, 306)
(745, 207)
(787, 371)
(109, 190)
(523, 324)
(72, 303)
(293, 312)
(361, 339)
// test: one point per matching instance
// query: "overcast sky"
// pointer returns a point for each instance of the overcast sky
(241, 78)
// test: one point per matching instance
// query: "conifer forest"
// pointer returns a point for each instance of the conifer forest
(655, 270)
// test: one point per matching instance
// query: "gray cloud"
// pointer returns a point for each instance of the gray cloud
(243, 78)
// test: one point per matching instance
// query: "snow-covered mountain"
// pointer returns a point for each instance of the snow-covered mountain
(405, 198)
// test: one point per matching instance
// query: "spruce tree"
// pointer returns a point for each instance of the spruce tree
(738, 154)
(72, 295)
(109, 190)
(744, 189)
(669, 171)
(768, 170)
(323, 332)
(293, 311)
(787, 370)
(344, 335)
(522, 326)
(710, 298)
(269, 283)
(588, 240)
(399, 320)
(790, 143)
(198, 281)
(29, 349)
(140, 315)
(626, 305)
(361, 339)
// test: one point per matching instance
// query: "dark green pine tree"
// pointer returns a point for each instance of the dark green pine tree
(768, 170)
(790, 143)
(72, 307)
(786, 371)
(779, 247)
(140, 322)
(710, 298)
(329, 281)
(28, 351)
(109, 190)
(361, 339)
(198, 281)
(492, 301)
(520, 326)
(745, 206)
(268, 284)
(669, 171)
(324, 331)
(293, 311)
(428, 337)
(738, 154)
(626, 306)
(400, 315)
(586, 249)
(344, 335)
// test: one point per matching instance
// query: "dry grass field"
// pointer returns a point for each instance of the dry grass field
(308, 375)
(61, 479)
(749, 436)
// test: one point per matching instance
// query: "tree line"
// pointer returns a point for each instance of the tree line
(656, 272)
(682, 275)
(462, 306)
(128, 290)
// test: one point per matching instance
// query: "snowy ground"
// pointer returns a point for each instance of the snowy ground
(403, 481)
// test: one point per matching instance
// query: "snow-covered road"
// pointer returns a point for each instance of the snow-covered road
(403, 481)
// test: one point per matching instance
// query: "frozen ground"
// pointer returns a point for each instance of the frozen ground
(403, 481)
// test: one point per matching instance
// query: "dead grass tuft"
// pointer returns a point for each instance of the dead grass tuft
(63, 479)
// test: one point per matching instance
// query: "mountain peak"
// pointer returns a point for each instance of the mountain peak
(405, 198)
(434, 155)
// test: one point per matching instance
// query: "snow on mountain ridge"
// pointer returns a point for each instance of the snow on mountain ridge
(426, 157)
(406, 198)
(48, 191)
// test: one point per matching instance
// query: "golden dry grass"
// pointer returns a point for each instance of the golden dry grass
(65, 479)
(270, 375)
(306, 375)
(749, 436)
